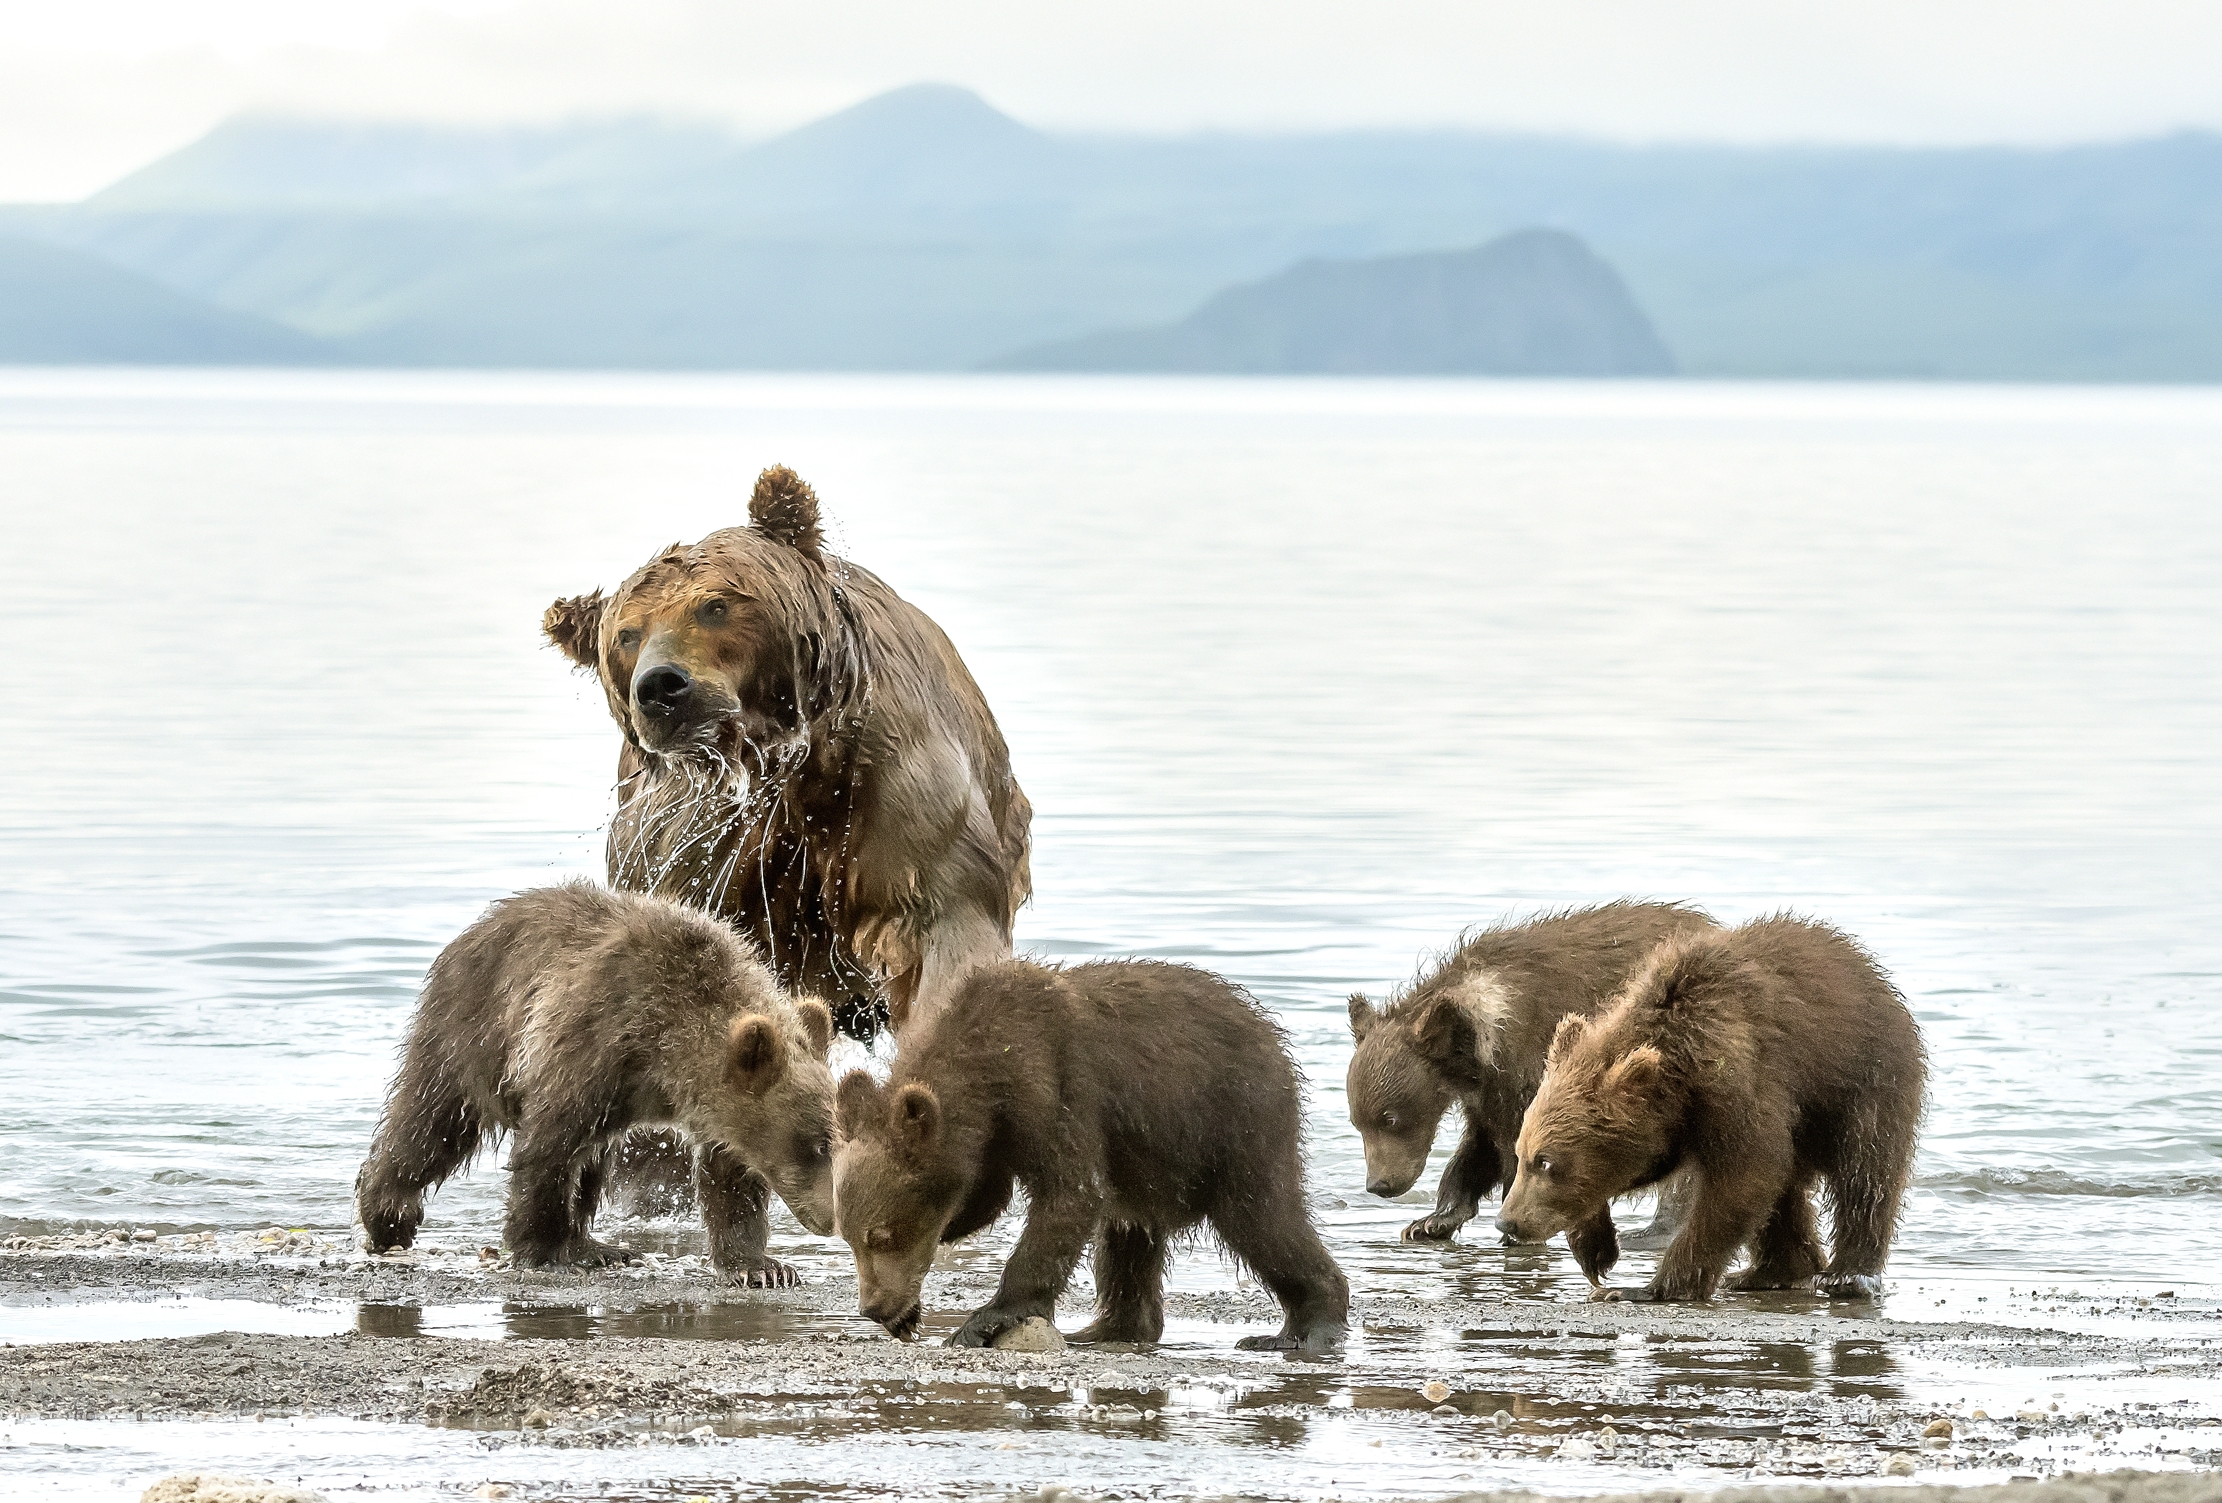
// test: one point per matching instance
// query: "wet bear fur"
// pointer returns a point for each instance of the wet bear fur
(567, 1015)
(805, 755)
(1473, 1031)
(1761, 1060)
(1131, 1101)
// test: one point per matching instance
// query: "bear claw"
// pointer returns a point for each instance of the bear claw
(1849, 1285)
(769, 1274)
(1430, 1229)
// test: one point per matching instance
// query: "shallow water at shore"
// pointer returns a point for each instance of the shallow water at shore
(1301, 677)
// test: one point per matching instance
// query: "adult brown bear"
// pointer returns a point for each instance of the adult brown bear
(806, 757)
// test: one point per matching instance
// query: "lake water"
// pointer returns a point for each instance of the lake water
(1301, 677)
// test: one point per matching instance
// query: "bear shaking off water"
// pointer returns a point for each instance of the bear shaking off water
(1474, 1030)
(1131, 1100)
(1760, 1059)
(806, 757)
(567, 1015)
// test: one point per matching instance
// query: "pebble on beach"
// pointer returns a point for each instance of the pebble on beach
(1033, 1334)
(1436, 1391)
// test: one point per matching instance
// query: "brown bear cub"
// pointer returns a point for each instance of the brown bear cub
(1474, 1030)
(567, 1015)
(1760, 1059)
(1131, 1100)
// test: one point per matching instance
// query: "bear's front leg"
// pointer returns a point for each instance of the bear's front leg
(1039, 1268)
(1595, 1244)
(1471, 1173)
(736, 1212)
(1725, 1211)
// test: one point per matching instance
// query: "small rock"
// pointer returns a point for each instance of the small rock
(702, 1432)
(495, 1490)
(1033, 1334)
(142, 1235)
(1936, 1442)
(1502, 1419)
(1576, 1448)
(2029, 1416)
(1900, 1465)
(1608, 1441)
(538, 1419)
(1938, 1427)
(1446, 1409)
(1980, 1414)
(207, 1487)
(1436, 1391)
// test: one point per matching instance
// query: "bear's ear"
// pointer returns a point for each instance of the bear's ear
(856, 1105)
(784, 508)
(575, 625)
(917, 1117)
(1565, 1037)
(1444, 1033)
(817, 1024)
(1635, 1072)
(1363, 1015)
(756, 1056)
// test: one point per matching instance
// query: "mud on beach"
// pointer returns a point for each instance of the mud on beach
(652, 1382)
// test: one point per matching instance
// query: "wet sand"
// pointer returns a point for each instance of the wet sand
(652, 1382)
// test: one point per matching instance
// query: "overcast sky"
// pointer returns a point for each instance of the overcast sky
(90, 89)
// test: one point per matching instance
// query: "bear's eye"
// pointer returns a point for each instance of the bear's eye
(1543, 1166)
(879, 1236)
(1388, 1120)
(712, 612)
(628, 639)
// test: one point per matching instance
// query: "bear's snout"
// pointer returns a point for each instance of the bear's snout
(1510, 1225)
(661, 688)
(898, 1313)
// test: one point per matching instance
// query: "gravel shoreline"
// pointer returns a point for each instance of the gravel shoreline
(1709, 1395)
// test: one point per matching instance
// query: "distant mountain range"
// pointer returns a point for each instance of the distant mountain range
(925, 230)
(64, 307)
(1535, 303)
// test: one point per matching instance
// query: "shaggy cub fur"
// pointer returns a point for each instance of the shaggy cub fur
(1473, 1030)
(1763, 1058)
(567, 1015)
(1131, 1100)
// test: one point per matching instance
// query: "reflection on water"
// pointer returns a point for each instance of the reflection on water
(724, 1320)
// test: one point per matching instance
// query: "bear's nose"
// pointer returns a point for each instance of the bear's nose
(1509, 1227)
(661, 687)
(1381, 1185)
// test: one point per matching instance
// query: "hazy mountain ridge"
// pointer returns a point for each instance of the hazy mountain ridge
(62, 306)
(1534, 303)
(925, 230)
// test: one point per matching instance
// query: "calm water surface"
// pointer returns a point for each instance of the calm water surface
(1301, 677)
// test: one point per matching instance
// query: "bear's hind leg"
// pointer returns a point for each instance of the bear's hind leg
(1130, 1286)
(1271, 1233)
(736, 1211)
(1787, 1252)
(429, 1130)
(1864, 1220)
